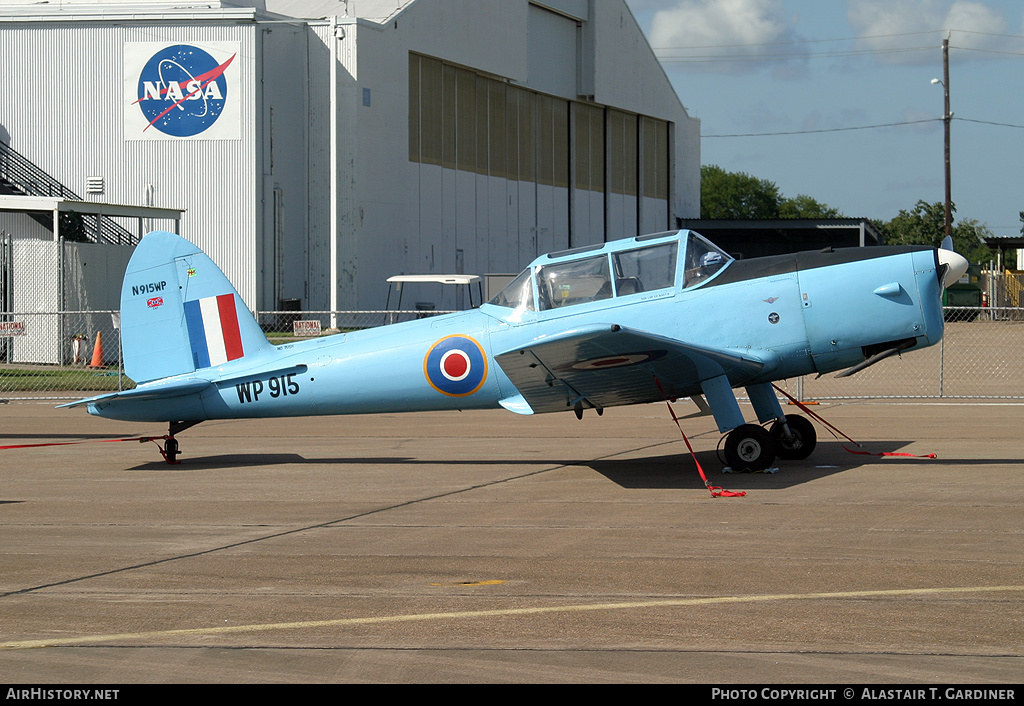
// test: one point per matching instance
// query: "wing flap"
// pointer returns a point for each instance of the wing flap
(608, 365)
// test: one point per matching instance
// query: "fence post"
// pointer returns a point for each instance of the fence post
(115, 320)
(942, 361)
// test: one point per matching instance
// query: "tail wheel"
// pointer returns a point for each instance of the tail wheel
(171, 449)
(802, 441)
(749, 448)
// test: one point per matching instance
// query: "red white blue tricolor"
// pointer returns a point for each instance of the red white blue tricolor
(212, 324)
(455, 366)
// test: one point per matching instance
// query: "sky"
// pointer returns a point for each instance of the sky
(834, 98)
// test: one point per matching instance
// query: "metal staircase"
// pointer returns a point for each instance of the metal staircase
(20, 177)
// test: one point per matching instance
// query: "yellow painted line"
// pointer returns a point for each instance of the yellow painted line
(504, 612)
(488, 582)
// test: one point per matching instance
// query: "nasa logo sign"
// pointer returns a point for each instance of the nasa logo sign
(455, 366)
(181, 91)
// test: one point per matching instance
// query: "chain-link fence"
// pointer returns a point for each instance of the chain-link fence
(1001, 289)
(71, 354)
(48, 354)
(979, 357)
(282, 325)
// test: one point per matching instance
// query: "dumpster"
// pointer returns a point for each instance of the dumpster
(965, 296)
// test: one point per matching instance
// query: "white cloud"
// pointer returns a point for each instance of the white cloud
(732, 32)
(890, 26)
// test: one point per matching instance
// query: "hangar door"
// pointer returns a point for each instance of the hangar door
(508, 173)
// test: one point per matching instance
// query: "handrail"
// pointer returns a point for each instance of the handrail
(20, 175)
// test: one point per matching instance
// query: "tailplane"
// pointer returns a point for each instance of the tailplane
(179, 313)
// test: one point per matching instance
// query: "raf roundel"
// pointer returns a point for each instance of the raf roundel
(455, 366)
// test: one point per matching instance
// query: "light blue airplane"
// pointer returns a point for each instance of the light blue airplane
(645, 319)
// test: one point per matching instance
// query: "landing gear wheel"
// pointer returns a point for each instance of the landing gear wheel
(802, 442)
(171, 449)
(749, 448)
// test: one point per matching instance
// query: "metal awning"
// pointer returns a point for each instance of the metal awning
(439, 279)
(776, 236)
(1004, 243)
(1008, 242)
(57, 206)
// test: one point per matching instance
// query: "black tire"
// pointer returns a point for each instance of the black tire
(171, 450)
(805, 438)
(749, 448)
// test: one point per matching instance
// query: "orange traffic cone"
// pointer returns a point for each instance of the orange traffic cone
(97, 352)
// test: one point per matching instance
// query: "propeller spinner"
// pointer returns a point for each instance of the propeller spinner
(952, 265)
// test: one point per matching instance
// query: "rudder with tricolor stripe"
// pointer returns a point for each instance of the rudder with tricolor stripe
(212, 324)
(179, 312)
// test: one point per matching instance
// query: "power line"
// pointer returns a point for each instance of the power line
(864, 127)
(801, 41)
(989, 122)
(792, 42)
(833, 129)
(763, 57)
(816, 55)
(989, 51)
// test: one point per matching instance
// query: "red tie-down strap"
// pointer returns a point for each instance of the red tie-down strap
(716, 492)
(837, 433)
(140, 439)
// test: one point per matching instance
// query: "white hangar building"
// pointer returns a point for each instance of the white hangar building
(319, 146)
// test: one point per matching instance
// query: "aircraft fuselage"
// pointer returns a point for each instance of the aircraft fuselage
(778, 317)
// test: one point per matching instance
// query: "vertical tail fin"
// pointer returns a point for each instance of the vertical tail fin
(179, 313)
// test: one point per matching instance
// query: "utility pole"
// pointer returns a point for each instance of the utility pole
(947, 118)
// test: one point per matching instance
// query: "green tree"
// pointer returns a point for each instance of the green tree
(740, 196)
(803, 206)
(736, 195)
(926, 225)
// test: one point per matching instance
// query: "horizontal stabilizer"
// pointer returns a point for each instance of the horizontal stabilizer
(167, 389)
(147, 392)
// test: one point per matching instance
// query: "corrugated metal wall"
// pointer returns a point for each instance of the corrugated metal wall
(62, 106)
(319, 176)
(260, 203)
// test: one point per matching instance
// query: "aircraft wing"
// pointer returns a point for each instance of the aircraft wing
(606, 365)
